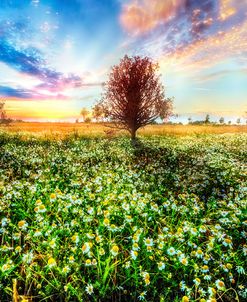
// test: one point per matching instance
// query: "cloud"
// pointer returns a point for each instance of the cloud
(201, 34)
(140, 16)
(21, 93)
(30, 62)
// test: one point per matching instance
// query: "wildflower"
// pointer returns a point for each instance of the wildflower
(94, 262)
(89, 289)
(7, 266)
(40, 209)
(114, 250)
(37, 233)
(98, 239)
(171, 251)
(90, 210)
(101, 251)
(207, 277)
(182, 285)
(106, 222)
(90, 236)
(53, 196)
(66, 270)
(85, 248)
(202, 229)
(75, 238)
(227, 242)
(134, 254)
(128, 218)
(146, 277)
(22, 224)
(38, 202)
(197, 281)
(127, 264)
(193, 231)
(160, 245)
(18, 249)
(161, 265)
(135, 246)
(185, 299)
(240, 270)
(88, 262)
(28, 257)
(71, 259)
(16, 236)
(204, 269)
(212, 292)
(52, 243)
(113, 227)
(51, 262)
(148, 242)
(183, 260)
(136, 238)
(142, 295)
(199, 253)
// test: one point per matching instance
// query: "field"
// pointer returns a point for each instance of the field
(86, 216)
(61, 130)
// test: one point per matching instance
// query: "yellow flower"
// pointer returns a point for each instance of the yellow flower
(185, 299)
(147, 281)
(52, 262)
(106, 222)
(184, 261)
(18, 249)
(52, 196)
(220, 284)
(38, 202)
(88, 262)
(94, 262)
(114, 250)
(22, 224)
(85, 248)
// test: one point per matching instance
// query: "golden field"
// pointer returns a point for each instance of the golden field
(100, 129)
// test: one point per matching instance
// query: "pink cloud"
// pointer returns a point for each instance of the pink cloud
(141, 16)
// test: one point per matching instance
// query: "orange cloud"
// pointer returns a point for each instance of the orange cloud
(227, 9)
(140, 16)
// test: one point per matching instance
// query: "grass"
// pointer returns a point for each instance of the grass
(93, 219)
(97, 129)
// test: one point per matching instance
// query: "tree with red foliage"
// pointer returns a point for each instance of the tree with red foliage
(133, 96)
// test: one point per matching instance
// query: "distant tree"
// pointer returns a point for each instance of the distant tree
(3, 115)
(189, 120)
(222, 120)
(238, 121)
(84, 113)
(77, 121)
(207, 119)
(133, 96)
(229, 122)
(97, 112)
(88, 119)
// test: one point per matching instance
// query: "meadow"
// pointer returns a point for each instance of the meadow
(61, 130)
(88, 216)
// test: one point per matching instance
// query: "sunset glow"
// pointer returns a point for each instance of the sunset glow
(55, 55)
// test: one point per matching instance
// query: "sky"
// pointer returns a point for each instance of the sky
(55, 54)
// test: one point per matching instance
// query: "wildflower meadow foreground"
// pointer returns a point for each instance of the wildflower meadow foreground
(94, 219)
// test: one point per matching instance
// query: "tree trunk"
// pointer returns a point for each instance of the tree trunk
(133, 134)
